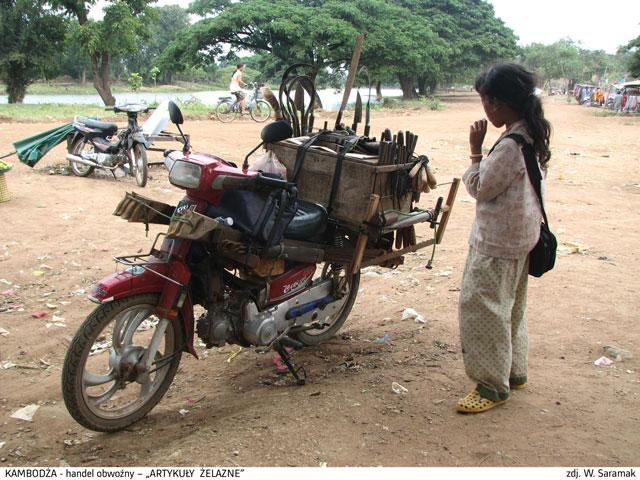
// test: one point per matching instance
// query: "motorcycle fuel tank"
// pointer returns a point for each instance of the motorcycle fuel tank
(291, 282)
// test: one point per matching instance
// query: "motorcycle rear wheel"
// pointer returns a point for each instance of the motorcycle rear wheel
(110, 379)
(139, 166)
(318, 336)
(79, 146)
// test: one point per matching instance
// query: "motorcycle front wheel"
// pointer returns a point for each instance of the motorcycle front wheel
(334, 322)
(77, 148)
(120, 363)
(139, 168)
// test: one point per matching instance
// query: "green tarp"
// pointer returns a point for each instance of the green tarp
(30, 150)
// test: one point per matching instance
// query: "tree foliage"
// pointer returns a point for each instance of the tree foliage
(405, 40)
(120, 32)
(31, 35)
(633, 62)
(565, 59)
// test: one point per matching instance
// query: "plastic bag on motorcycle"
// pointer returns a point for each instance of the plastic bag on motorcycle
(269, 163)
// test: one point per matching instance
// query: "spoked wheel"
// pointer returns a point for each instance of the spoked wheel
(120, 363)
(334, 322)
(138, 158)
(80, 146)
(260, 111)
(225, 112)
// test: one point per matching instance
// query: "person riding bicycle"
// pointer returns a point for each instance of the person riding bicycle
(236, 86)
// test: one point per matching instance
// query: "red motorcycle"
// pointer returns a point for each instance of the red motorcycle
(270, 270)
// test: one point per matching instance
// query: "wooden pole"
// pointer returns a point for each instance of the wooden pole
(353, 69)
(374, 201)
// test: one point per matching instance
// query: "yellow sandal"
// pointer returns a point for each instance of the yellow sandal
(475, 403)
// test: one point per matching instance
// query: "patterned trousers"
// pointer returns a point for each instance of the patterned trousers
(493, 327)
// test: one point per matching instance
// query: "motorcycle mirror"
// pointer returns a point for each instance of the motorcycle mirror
(276, 131)
(175, 114)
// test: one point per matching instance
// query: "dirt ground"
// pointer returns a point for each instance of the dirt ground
(572, 413)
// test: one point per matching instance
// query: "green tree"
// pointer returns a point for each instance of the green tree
(289, 31)
(565, 59)
(31, 35)
(120, 32)
(398, 44)
(633, 63)
(557, 60)
(153, 74)
(163, 24)
(472, 34)
(135, 81)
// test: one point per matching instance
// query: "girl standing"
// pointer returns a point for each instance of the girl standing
(493, 296)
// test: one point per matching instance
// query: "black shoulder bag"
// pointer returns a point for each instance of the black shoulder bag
(543, 256)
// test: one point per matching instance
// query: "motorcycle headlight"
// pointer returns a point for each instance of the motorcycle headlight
(185, 174)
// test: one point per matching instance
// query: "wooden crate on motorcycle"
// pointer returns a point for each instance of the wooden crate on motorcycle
(361, 176)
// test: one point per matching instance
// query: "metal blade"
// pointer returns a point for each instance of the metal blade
(357, 114)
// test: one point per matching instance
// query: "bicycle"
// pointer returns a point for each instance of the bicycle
(259, 110)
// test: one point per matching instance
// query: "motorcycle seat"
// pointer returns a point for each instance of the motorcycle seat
(105, 127)
(309, 220)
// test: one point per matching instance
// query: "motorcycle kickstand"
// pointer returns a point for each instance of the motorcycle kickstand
(286, 358)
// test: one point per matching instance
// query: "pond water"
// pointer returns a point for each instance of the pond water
(330, 98)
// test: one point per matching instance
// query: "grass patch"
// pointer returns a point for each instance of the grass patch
(45, 112)
(54, 88)
(397, 103)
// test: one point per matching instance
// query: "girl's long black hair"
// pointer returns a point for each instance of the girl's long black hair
(514, 85)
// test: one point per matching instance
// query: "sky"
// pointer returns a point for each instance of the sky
(596, 25)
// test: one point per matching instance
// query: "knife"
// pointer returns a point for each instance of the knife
(357, 114)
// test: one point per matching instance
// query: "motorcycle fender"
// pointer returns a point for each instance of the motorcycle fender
(135, 281)
(139, 137)
(186, 312)
(132, 281)
(175, 300)
(71, 139)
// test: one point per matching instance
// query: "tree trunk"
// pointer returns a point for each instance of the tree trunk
(101, 80)
(422, 86)
(83, 76)
(16, 91)
(406, 84)
(379, 91)
(432, 84)
(16, 85)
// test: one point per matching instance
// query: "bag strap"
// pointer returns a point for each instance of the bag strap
(301, 153)
(346, 148)
(533, 170)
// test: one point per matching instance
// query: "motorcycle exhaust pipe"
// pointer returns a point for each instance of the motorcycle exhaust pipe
(77, 159)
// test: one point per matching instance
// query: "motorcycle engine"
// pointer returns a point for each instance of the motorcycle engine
(104, 159)
(260, 328)
(214, 327)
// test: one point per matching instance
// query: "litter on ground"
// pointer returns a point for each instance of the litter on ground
(410, 313)
(26, 413)
(398, 389)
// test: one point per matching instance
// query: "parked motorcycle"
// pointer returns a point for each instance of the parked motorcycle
(96, 144)
(224, 252)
